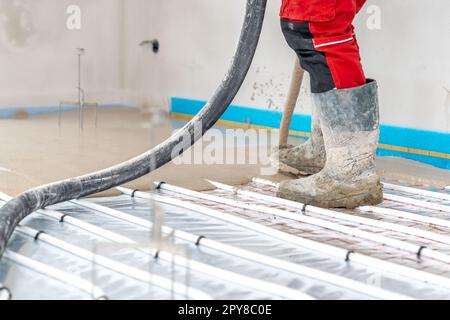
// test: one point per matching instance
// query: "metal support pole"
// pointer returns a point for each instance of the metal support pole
(81, 104)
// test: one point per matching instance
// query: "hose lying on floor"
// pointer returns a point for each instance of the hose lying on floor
(18, 208)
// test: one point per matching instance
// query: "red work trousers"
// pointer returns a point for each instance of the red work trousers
(321, 32)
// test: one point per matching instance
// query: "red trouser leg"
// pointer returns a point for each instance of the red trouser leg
(328, 50)
(336, 39)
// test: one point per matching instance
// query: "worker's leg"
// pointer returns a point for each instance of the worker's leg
(348, 115)
(328, 50)
(350, 126)
(359, 4)
(305, 159)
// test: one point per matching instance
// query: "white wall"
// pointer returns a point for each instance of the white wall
(198, 39)
(409, 55)
(38, 60)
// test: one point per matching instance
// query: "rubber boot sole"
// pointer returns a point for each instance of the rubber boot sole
(294, 172)
(370, 197)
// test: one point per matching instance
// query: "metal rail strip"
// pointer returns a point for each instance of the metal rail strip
(329, 213)
(225, 275)
(141, 275)
(419, 192)
(340, 253)
(251, 256)
(387, 196)
(382, 211)
(113, 265)
(265, 182)
(70, 279)
(406, 215)
(58, 216)
(417, 203)
(417, 250)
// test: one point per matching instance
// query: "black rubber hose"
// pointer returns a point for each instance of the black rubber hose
(18, 208)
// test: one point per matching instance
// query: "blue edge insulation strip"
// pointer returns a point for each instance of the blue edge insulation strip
(10, 112)
(390, 135)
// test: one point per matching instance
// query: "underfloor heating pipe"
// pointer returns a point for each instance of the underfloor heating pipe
(12, 213)
(345, 255)
(140, 275)
(49, 271)
(248, 255)
(225, 275)
(417, 250)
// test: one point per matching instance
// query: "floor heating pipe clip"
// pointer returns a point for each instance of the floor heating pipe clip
(38, 234)
(347, 256)
(197, 243)
(134, 192)
(159, 184)
(7, 291)
(304, 209)
(419, 252)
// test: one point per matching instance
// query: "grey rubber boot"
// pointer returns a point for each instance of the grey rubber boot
(305, 159)
(349, 120)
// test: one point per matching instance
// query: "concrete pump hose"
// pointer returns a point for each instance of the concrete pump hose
(291, 101)
(21, 206)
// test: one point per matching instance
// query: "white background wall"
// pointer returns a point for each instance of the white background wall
(38, 62)
(409, 55)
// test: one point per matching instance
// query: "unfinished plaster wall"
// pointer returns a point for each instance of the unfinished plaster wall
(198, 38)
(142, 85)
(38, 59)
(408, 55)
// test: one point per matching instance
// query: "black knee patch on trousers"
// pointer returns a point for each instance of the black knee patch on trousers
(300, 39)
